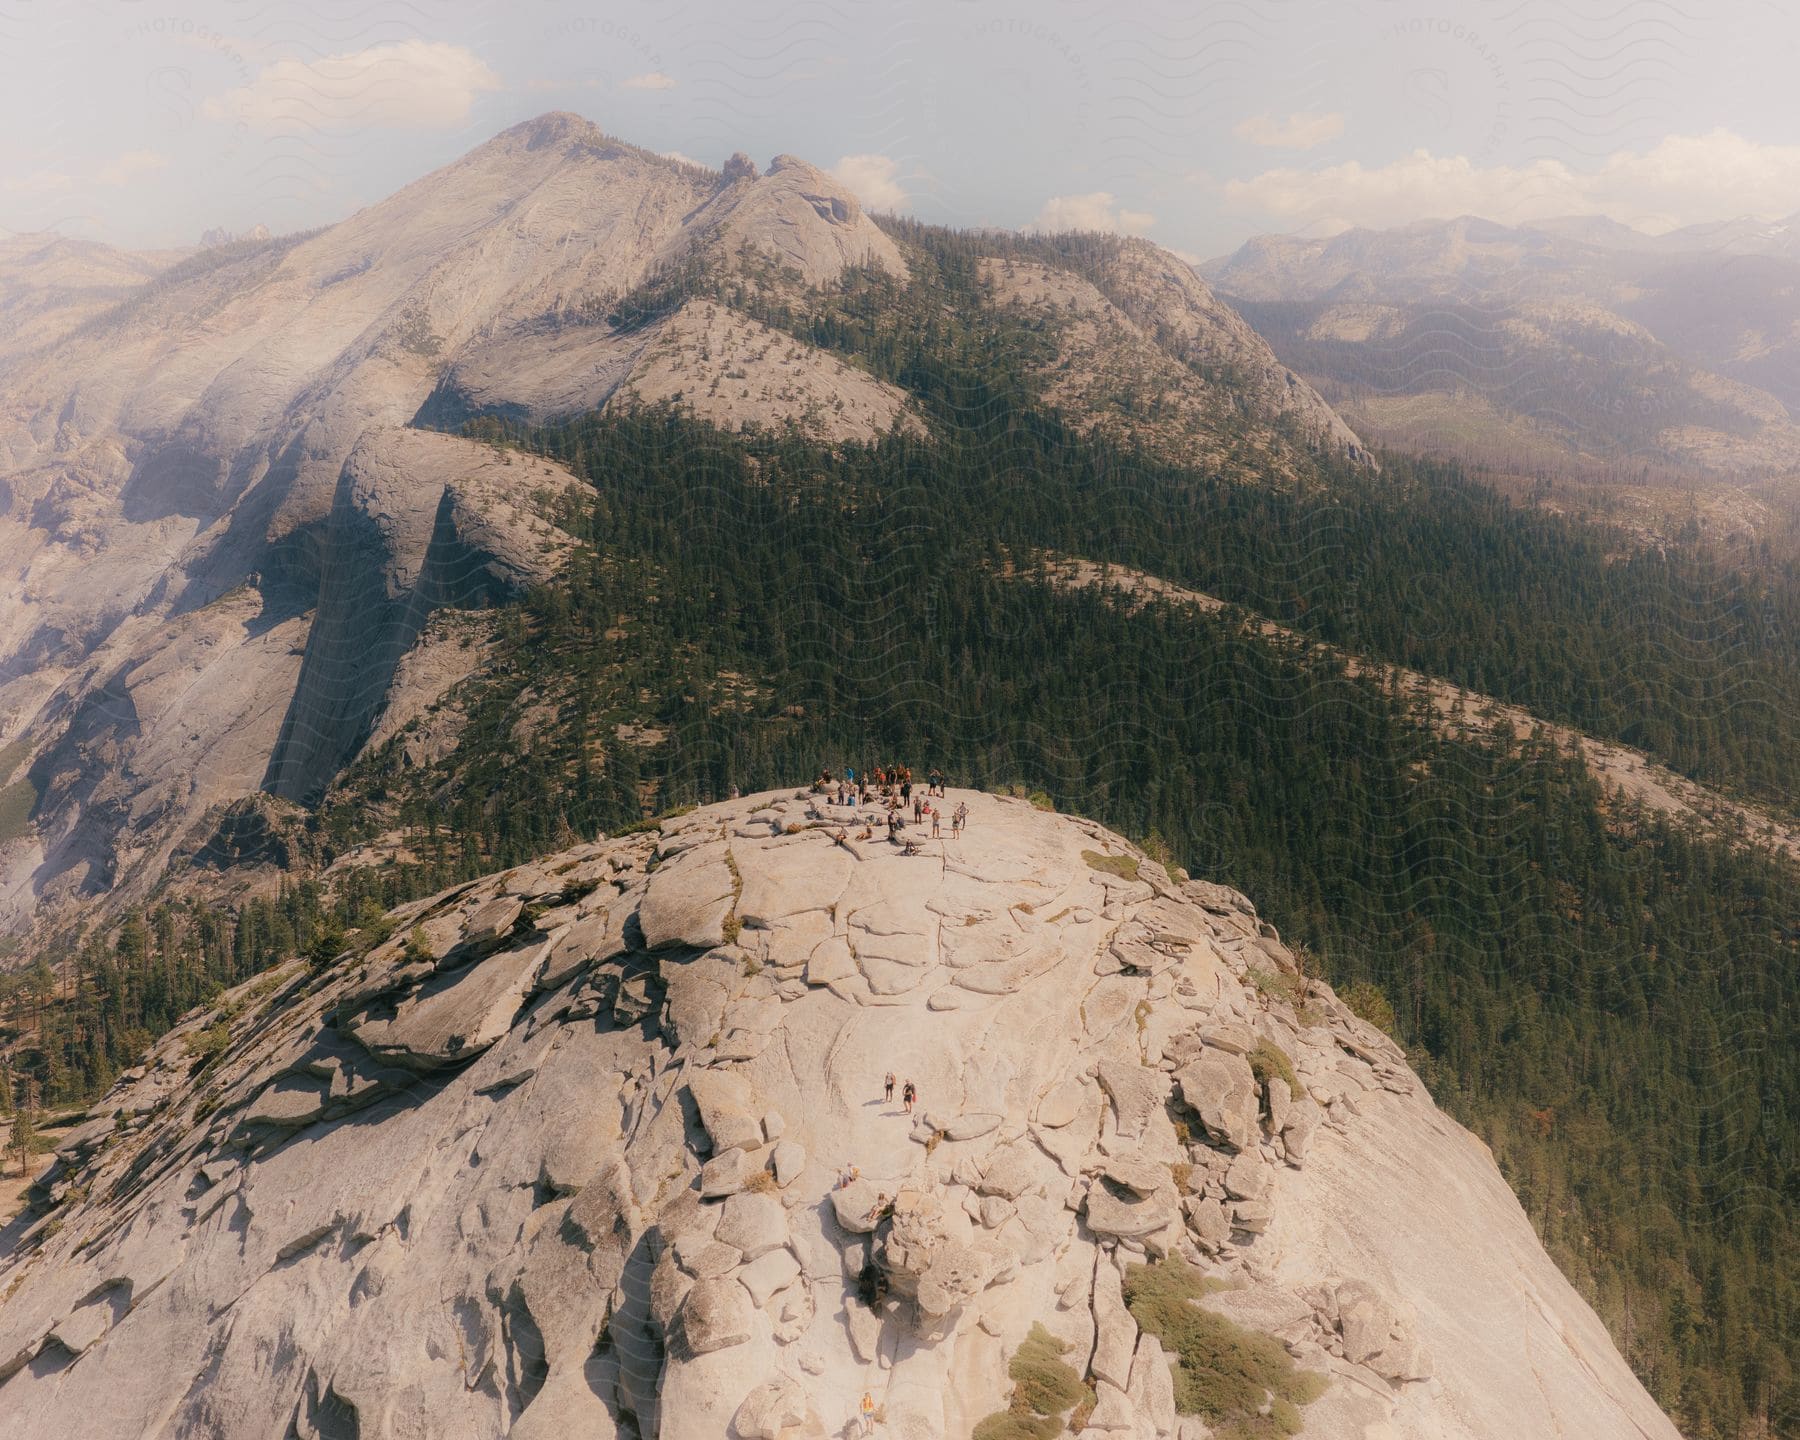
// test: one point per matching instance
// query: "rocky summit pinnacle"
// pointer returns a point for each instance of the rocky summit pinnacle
(566, 1154)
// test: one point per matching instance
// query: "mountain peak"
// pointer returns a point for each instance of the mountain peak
(553, 127)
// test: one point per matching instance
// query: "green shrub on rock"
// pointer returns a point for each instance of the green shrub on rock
(1224, 1373)
(1269, 1061)
(1367, 1002)
(1044, 1389)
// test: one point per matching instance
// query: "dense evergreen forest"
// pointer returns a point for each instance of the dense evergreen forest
(1673, 651)
(1608, 1000)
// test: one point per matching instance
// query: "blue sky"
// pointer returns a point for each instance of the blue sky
(143, 123)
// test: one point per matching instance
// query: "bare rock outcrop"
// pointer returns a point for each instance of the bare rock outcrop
(527, 1175)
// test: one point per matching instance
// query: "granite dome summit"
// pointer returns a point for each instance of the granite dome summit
(562, 1156)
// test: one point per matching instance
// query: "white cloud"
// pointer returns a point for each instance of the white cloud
(1681, 180)
(872, 179)
(649, 80)
(684, 159)
(406, 85)
(128, 165)
(1302, 130)
(1096, 210)
(37, 182)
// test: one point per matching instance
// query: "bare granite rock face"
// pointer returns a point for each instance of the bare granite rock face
(234, 536)
(545, 1181)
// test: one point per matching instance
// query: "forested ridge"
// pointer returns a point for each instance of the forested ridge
(1608, 1000)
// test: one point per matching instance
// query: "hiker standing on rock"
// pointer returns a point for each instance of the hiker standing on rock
(936, 787)
(887, 1089)
(867, 1411)
(937, 816)
(909, 1096)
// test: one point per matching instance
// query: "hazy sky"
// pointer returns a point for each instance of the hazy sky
(143, 122)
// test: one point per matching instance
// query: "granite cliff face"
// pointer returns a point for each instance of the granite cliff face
(223, 535)
(227, 536)
(561, 1156)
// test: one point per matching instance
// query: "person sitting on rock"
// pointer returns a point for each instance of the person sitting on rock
(875, 1210)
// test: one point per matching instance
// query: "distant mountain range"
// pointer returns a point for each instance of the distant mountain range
(1576, 345)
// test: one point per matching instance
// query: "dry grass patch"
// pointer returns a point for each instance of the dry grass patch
(1124, 866)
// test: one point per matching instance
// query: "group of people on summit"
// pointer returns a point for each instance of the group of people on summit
(892, 788)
